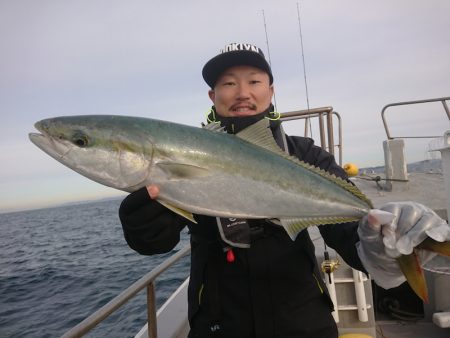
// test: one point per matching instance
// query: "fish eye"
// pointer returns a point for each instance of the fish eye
(80, 140)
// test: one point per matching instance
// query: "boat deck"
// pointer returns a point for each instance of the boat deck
(425, 188)
(399, 329)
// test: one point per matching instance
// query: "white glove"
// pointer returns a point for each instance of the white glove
(395, 230)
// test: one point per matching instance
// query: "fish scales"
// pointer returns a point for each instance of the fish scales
(199, 170)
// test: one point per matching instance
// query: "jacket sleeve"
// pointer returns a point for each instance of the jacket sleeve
(341, 237)
(149, 228)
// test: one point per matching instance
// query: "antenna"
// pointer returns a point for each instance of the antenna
(307, 120)
(268, 54)
(303, 55)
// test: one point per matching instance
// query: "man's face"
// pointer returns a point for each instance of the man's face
(242, 91)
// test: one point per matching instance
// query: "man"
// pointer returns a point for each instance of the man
(254, 281)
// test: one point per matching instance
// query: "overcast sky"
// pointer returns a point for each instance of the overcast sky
(144, 58)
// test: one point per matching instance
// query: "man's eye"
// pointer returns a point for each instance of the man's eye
(255, 81)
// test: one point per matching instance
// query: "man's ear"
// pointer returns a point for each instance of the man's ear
(212, 95)
(272, 90)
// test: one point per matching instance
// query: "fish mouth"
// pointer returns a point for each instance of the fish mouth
(42, 140)
(56, 148)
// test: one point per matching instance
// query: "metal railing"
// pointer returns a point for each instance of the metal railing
(326, 131)
(383, 112)
(147, 281)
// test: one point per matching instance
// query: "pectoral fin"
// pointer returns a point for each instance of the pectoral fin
(410, 266)
(182, 171)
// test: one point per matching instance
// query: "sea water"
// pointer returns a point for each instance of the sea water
(58, 265)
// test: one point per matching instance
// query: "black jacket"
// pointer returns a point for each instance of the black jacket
(272, 289)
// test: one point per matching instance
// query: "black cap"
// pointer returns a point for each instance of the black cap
(235, 54)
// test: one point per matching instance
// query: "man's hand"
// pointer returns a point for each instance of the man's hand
(149, 227)
(153, 191)
(395, 230)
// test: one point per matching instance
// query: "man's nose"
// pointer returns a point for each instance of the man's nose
(243, 91)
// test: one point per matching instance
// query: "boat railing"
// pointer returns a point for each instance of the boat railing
(326, 129)
(443, 100)
(394, 154)
(147, 281)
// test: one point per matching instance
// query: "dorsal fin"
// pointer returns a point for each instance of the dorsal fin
(260, 134)
(214, 126)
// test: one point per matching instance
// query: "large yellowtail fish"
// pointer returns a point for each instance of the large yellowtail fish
(202, 170)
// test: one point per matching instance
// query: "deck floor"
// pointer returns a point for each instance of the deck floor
(394, 329)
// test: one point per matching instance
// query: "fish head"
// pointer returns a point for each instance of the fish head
(110, 150)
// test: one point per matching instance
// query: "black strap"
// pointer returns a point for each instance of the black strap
(234, 231)
(238, 233)
(212, 285)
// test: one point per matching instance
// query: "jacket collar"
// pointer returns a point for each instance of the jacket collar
(235, 124)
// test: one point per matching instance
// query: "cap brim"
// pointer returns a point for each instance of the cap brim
(218, 64)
